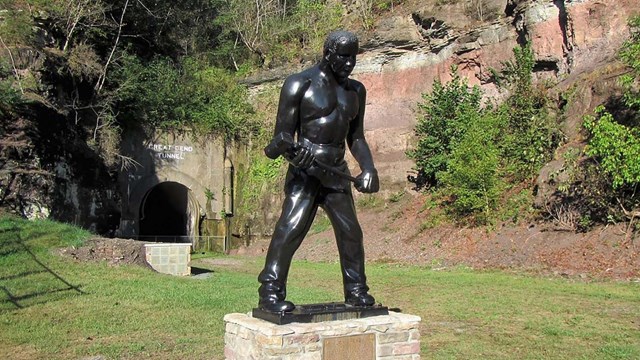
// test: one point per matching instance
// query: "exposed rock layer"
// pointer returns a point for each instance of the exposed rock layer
(407, 52)
(568, 38)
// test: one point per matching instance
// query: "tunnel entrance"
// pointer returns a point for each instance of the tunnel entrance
(167, 214)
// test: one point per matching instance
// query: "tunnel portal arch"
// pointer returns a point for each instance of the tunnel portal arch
(168, 213)
(175, 164)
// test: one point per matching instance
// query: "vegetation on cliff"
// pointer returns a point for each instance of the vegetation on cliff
(613, 148)
(476, 157)
(473, 154)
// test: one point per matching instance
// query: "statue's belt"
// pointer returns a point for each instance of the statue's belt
(329, 158)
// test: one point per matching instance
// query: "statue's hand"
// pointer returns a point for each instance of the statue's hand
(301, 158)
(367, 181)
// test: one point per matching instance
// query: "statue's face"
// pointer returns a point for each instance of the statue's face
(343, 59)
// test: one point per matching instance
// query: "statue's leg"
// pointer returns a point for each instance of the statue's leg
(342, 213)
(298, 211)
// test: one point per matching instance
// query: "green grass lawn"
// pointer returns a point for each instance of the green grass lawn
(55, 308)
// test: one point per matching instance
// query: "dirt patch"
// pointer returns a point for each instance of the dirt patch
(113, 251)
(400, 232)
(222, 262)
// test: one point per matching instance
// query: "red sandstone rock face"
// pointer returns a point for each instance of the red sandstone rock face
(600, 27)
(408, 52)
(567, 39)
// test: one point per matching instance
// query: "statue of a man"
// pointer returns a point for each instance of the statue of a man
(323, 109)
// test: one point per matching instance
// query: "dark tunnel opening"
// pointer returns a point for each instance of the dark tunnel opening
(164, 213)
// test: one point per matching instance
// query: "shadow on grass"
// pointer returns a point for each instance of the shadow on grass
(33, 284)
(199, 271)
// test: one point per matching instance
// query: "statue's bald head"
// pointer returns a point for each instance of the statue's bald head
(339, 37)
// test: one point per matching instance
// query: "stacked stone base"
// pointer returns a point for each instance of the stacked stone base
(395, 336)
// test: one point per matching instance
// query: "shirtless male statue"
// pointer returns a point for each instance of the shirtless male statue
(324, 111)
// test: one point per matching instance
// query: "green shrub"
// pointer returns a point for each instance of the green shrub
(470, 154)
(532, 133)
(444, 117)
(187, 94)
(607, 183)
(616, 146)
(472, 180)
(9, 96)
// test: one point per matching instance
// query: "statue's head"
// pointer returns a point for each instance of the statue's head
(340, 50)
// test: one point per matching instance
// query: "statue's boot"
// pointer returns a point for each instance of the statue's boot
(272, 298)
(359, 297)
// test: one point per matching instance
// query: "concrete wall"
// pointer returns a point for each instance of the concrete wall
(198, 164)
(172, 259)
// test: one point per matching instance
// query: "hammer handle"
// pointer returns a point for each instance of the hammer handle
(335, 171)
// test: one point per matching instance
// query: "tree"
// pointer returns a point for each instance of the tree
(469, 153)
(444, 116)
(473, 181)
(616, 146)
(532, 133)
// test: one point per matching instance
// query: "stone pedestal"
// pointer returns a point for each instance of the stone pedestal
(386, 337)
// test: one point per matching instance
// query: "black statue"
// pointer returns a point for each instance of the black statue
(323, 110)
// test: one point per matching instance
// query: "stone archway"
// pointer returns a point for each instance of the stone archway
(168, 213)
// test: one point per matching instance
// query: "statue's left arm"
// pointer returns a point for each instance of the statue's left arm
(367, 181)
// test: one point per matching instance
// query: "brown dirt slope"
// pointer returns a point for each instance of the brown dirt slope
(113, 251)
(398, 232)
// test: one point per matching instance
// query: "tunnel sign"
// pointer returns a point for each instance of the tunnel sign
(167, 151)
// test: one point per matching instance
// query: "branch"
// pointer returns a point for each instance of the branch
(13, 64)
(149, 11)
(629, 214)
(127, 162)
(78, 15)
(21, 171)
(103, 76)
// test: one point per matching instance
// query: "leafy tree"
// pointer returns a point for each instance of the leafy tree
(603, 186)
(458, 152)
(470, 153)
(532, 133)
(473, 181)
(616, 146)
(445, 115)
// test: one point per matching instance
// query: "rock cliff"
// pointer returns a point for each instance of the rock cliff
(414, 45)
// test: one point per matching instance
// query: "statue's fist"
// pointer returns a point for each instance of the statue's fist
(367, 181)
(301, 158)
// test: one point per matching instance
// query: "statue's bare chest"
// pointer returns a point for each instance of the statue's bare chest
(326, 111)
(332, 103)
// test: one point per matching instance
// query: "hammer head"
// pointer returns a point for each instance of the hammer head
(280, 144)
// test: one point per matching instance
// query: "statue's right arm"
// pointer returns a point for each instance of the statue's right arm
(288, 117)
(289, 104)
